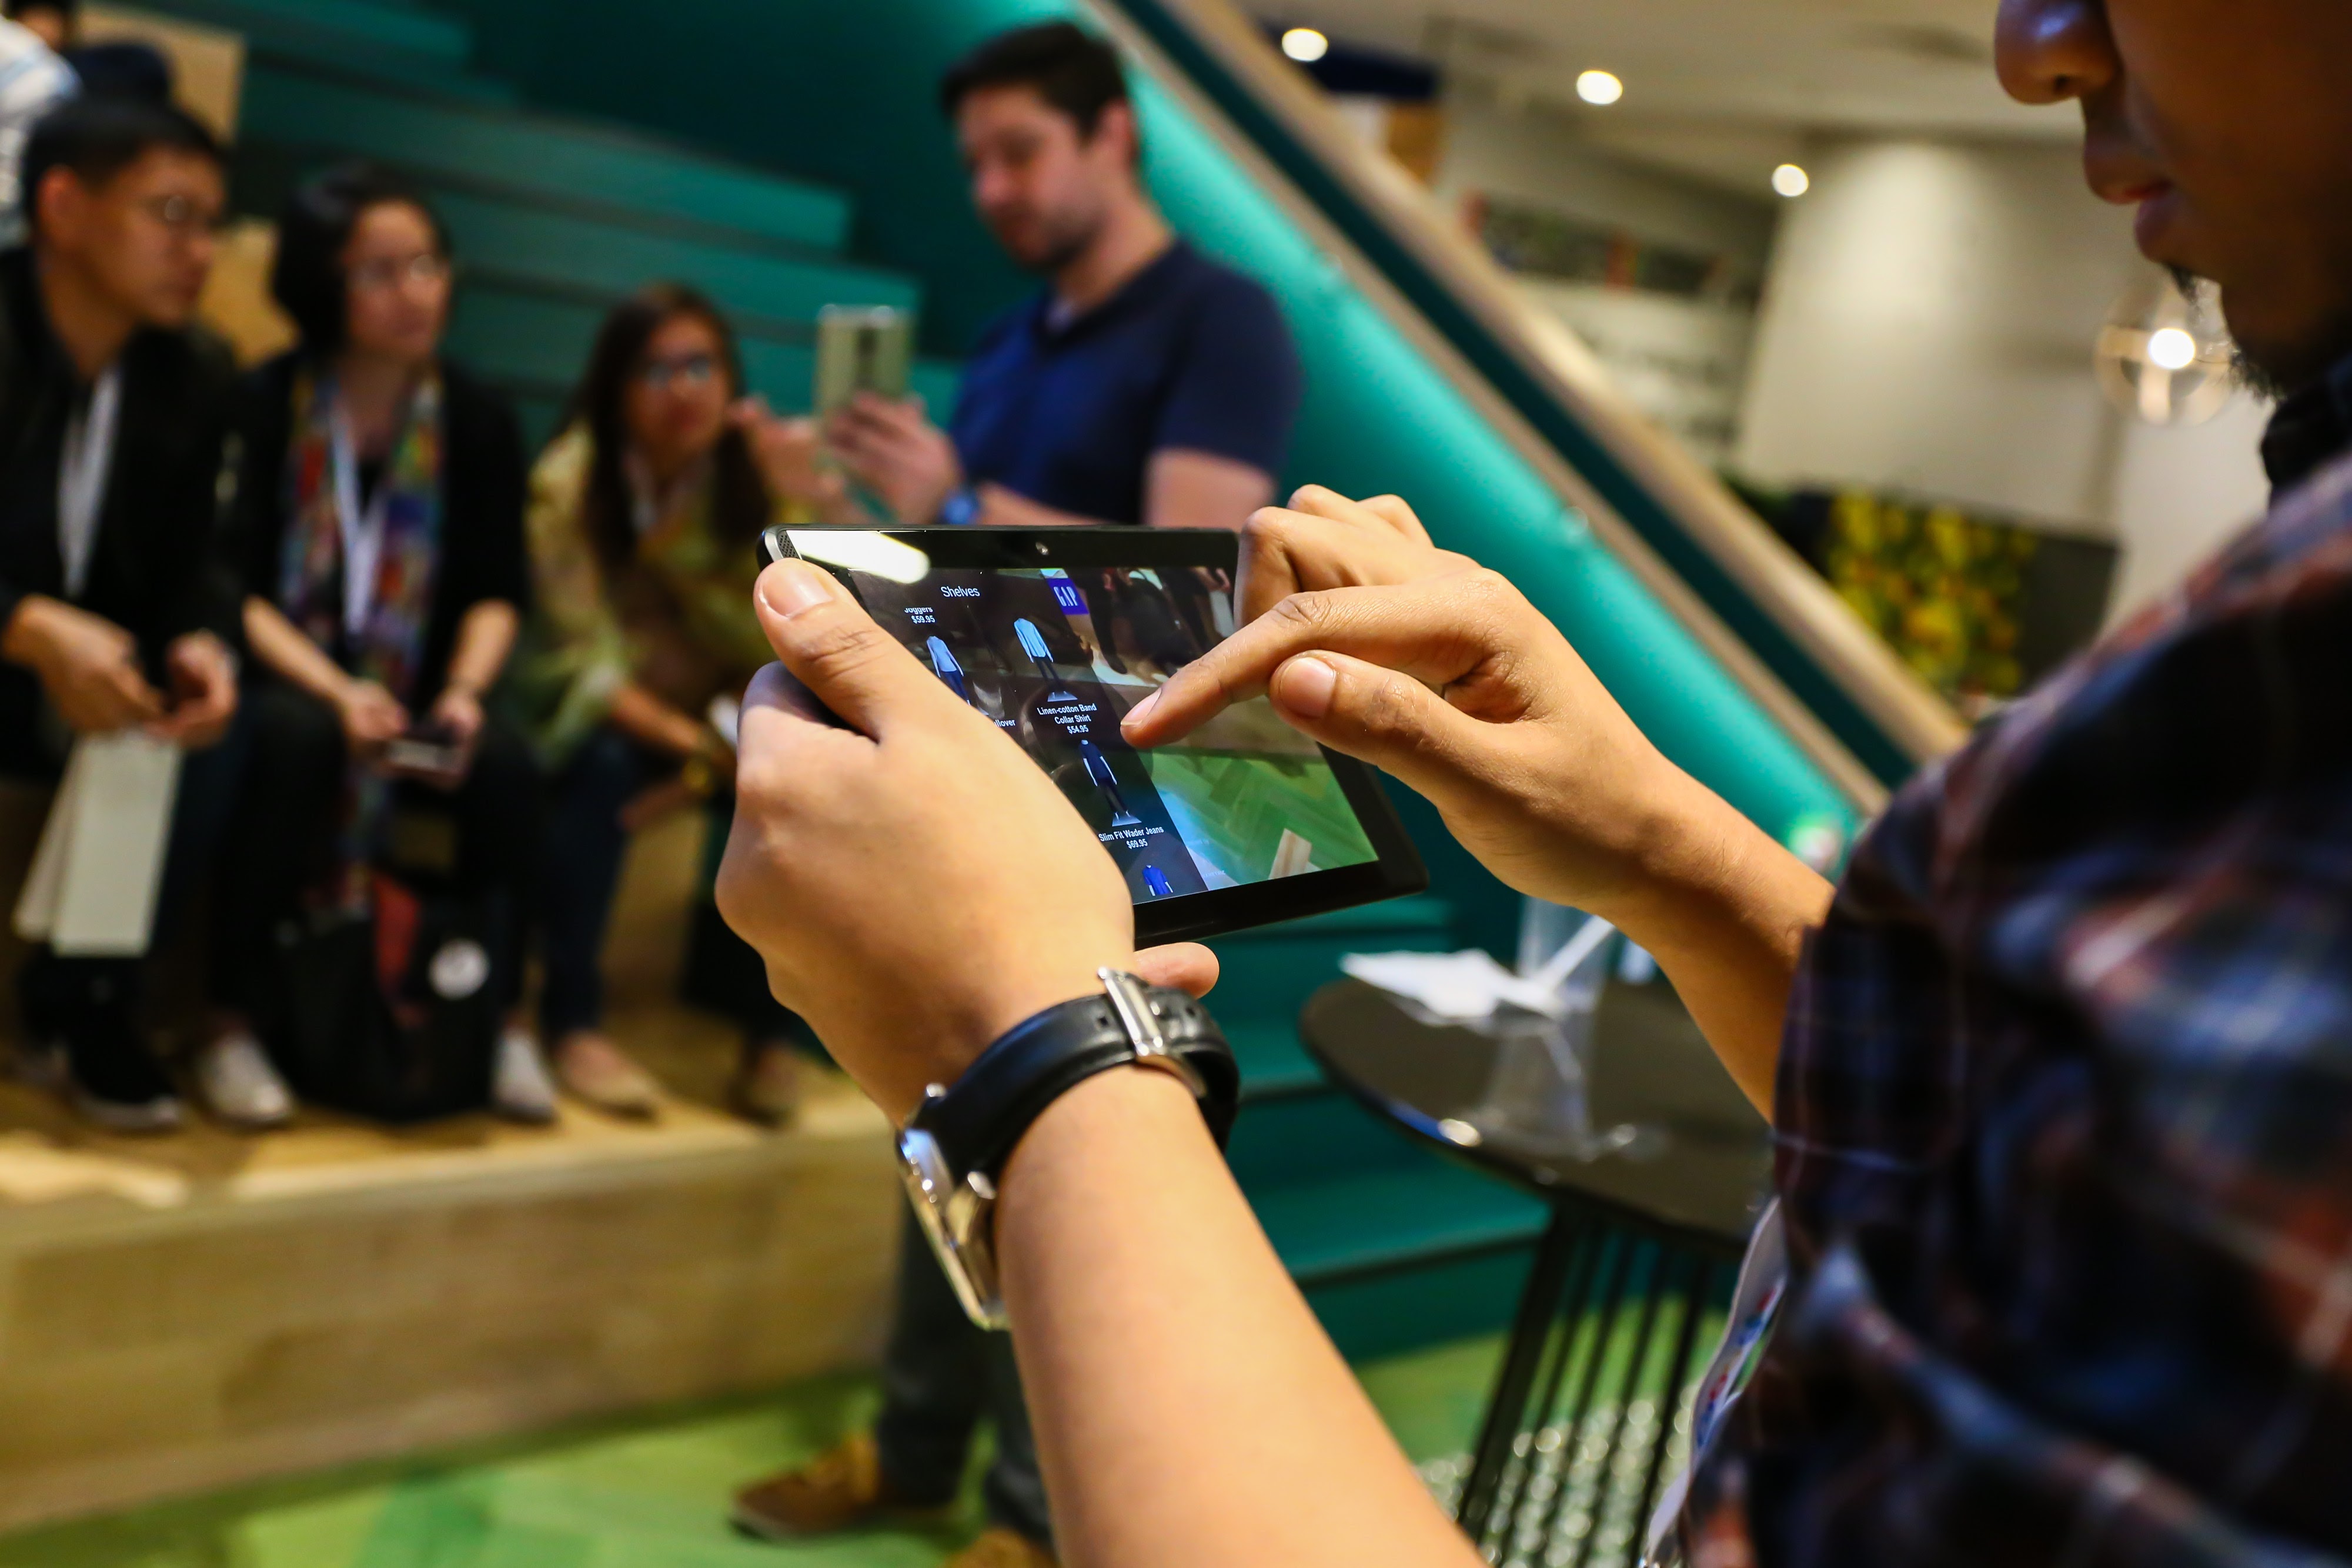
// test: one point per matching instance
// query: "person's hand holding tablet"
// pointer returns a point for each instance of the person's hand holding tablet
(919, 885)
(915, 883)
(1383, 647)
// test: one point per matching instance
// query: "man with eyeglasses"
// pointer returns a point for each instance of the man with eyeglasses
(113, 615)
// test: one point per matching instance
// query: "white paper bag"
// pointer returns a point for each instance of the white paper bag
(99, 868)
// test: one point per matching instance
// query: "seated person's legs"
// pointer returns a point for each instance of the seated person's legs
(280, 837)
(81, 1015)
(725, 974)
(496, 815)
(583, 844)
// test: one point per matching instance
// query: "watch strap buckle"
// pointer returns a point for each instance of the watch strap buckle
(1131, 1002)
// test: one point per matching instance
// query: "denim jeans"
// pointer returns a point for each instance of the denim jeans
(940, 1376)
(581, 870)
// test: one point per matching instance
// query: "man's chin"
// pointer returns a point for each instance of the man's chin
(2277, 363)
(169, 314)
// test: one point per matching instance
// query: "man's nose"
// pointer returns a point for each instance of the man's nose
(2052, 50)
(991, 187)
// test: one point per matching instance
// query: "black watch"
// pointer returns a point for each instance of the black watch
(955, 1145)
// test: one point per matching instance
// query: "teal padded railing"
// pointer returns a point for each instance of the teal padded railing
(1380, 417)
(1592, 458)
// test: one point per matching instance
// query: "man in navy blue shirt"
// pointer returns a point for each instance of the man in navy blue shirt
(1144, 384)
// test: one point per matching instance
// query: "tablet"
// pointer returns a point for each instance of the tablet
(1055, 633)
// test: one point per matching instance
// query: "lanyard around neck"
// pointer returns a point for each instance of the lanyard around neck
(83, 471)
(361, 528)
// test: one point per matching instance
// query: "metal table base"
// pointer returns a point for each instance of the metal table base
(1591, 1413)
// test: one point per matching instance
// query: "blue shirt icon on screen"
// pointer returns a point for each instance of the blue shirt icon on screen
(1098, 769)
(1033, 643)
(1156, 881)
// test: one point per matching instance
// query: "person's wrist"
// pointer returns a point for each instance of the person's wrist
(1703, 868)
(1148, 1115)
(27, 640)
(994, 1011)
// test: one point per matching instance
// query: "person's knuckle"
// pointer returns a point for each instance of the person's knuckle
(840, 644)
(1266, 528)
(1310, 614)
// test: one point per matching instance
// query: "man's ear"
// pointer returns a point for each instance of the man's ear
(59, 205)
(1121, 126)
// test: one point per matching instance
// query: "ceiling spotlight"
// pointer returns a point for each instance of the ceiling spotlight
(1790, 181)
(1599, 87)
(1304, 44)
(2170, 349)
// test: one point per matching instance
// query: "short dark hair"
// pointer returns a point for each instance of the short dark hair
(98, 138)
(308, 277)
(68, 8)
(1066, 66)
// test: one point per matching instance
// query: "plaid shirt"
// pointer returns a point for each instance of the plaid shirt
(2066, 1121)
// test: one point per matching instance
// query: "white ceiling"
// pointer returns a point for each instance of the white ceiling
(1720, 89)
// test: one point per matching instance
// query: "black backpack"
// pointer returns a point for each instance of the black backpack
(392, 1014)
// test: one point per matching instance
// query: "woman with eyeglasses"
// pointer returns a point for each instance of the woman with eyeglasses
(378, 529)
(643, 520)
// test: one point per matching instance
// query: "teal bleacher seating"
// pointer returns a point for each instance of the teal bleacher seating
(554, 218)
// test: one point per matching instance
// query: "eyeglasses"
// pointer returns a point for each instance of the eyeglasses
(687, 371)
(183, 217)
(382, 274)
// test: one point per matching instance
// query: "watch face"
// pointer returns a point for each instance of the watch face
(924, 1170)
(931, 1189)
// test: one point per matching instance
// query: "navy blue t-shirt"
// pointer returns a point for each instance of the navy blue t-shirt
(1189, 356)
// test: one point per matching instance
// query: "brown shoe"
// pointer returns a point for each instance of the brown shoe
(1000, 1548)
(767, 1089)
(596, 1071)
(838, 1489)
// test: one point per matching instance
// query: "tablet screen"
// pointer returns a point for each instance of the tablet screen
(1055, 655)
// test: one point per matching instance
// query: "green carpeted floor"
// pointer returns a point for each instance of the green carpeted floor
(644, 1493)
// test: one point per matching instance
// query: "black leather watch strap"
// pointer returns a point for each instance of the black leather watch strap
(978, 1122)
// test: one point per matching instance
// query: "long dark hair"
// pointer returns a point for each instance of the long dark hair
(308, 277)
(740, 503)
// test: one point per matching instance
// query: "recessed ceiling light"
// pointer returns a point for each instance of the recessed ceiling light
(1599, 87)
(1790, 181)
(2170, 349)
(1304, 44)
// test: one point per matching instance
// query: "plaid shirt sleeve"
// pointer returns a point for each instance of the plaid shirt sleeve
(2065, 1121)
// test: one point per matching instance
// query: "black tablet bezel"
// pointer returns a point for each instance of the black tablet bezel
(1195, 916)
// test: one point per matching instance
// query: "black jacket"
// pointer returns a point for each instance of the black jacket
(154, 569)
(483, 481)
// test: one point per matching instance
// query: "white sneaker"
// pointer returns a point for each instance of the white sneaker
(240, 1086)
(521, 1090)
